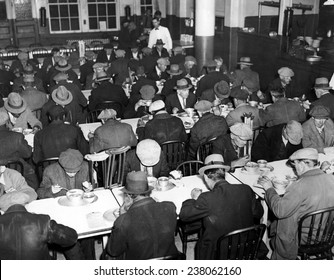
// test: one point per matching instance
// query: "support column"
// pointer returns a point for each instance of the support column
(283, 5)
(204, 30)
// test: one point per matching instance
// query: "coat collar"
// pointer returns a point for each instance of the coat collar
(16, 208)
(312, 172)
(142, 202)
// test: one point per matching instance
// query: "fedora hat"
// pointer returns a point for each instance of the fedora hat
(182, 84)
(136, 183)
(63, 65)
(159, 42)
(174, 70)
(62, 96)
(322, 83)
(15, 103)
(245, 60)
(212, 162)
(102, 76)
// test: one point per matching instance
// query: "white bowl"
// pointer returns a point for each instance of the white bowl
(251, 167)
(89, 196)
(75, 195)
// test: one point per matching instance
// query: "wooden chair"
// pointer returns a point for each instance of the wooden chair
(175, 152)
(40, 166)
(242, 244)
(205, 149)
(318, 229)
(190, 168)
(16, 165)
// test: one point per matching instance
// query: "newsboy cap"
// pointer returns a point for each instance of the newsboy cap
(306, 153)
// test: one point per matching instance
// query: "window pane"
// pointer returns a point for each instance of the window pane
(52, 1)
(65, 24)
(93, 23)
(92, 10)
(102, 19)
(63, 11)
(75, 24)
(112, 22)
(73, 1)
(102, 10)
(74, 11)
(54, 11)
(142, 2)
(91, 1)
(62, 1)
(111, 9)
(142, 10)
(148, 2)
(55, 25)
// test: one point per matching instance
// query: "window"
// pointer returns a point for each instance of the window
(146, 5)
(3, 12)
(102, 14)
(68, 16)
(64, 15)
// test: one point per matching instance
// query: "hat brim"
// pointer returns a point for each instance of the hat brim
(17, 110)
(103, 79)
(188, 87)
(213, 166)
(245, 63)
(61, 102)
(150, 163)
(177, 73)
(63, 69)
(123, 189)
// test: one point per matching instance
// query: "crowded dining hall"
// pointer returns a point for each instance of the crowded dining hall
(166, 130)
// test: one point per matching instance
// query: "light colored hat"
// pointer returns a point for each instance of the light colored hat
(245, 60)
(178, 49)
(120, 53)
(63, 65)
(322, 83)
(163, 61)
(294, 132)
(100, 65)
(306, 153)
(156, 106)
(146, 50)
(320, 112)
(190, 58)
(107, 114)
(3, 117)
(62, 96)
(148, 152)
(182, 84)
(174, 70)
(71, 160)
(239, 93)
(203, 106)
(15, 103)
(136, 183)
(286, 72)
(61, 76)
(147, 92)
(213, 161)
(222, 89)
(101, 76)
(23, 56)
(242, 130)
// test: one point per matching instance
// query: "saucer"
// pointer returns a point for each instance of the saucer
(267, 168)
(64, 201)
(109, 215)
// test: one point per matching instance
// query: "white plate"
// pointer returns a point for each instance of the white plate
(109, 215)
(64, 201)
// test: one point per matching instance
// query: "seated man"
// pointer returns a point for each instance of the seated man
(145, 228)
(17, 243)
(314, 190)
(175, 74)
(223, 209)
(13, 188)
(282, 111)
(159, 72)
(139, 103)
(163, 127)
(325, 97)
(20, 116)
(219, 94)
(182, 99)
(318, 131)
(232, 146)
(141, 80)
(284, 83)
(206, 128)
(240, 97)
(48, 144)
(158, 50)
(147, 157)
(278, 142)
(112, 134)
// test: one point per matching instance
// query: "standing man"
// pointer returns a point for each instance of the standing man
(314, 190)
(325, 97)
(160, 32)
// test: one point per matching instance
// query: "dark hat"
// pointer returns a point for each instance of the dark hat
(174, 70)
(140, 71)
(90, 55)
(29, 70)
(222, 89)
(182, 84)
(63, 65)
(147, 92)
(320, 112)
(62, 96)
(251, 84)
(159, 42)
(136, 183)
(71, 160)
(15, 103)
(322, 83)
(239, 93)
(134, 45)
(245, 60)
(60, 77)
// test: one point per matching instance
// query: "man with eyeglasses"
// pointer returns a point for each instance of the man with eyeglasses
(318, 131)
(313, 190)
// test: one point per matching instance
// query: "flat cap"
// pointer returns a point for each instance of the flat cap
(306, 153)
(148, 152)
(107, 114)
(286, 71)
(294, 132)
(242, 130)
(203, 106)
(156, 106)
(71, 160)
(163, 61)
(320, 112)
